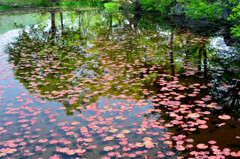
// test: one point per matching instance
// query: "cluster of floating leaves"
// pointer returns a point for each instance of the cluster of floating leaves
(124, 91)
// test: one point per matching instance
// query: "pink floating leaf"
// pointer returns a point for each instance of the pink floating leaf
(42, 140)
(202, 146)
(235, 154)
(75, 123)
(8, 123)
(203, 126)
(170, 153)
(54, 157)
(70, 152)
(10, 151)
(194, 115)
(108, 148)
(80, 151)
(224, 117)
(69, 133)
(111, 154)
(132, 155)
(88, 139)
(180, 148)
(212, 142)
(160, 155)
(108, 138)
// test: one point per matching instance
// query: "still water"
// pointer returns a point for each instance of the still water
(94, 84)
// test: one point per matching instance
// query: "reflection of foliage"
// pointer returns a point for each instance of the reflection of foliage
(112, 7)
(227, 93)
(44, 59)
(148, 24)
(76, 66)
(52, 65)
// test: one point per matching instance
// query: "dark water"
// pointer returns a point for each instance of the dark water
(93, 84)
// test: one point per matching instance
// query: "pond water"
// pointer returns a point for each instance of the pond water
(93, 84)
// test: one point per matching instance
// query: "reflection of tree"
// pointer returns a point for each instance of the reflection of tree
(173, 108)
(53, 26)
(43, 60)
(61, 15)
(132, 18)
(236, 96)
(171, 54)
(226, 91)
(56, 66)
(82, 64)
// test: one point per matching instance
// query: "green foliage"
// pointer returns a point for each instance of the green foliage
(202, 9)
(156, 5)
(112, 7)
(3, 7)
(196, 9)
(81, 3)
(235, 16)
(23, 2)
(68, 3)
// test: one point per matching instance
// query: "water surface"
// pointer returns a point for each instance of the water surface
(94, 84)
